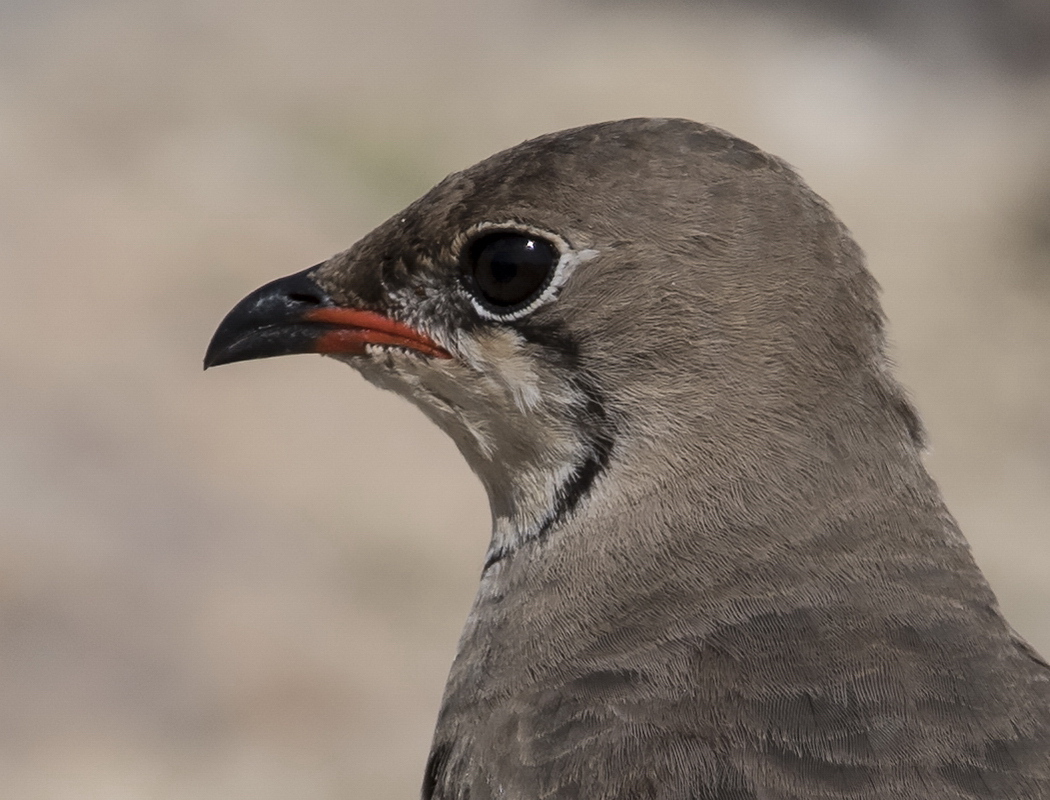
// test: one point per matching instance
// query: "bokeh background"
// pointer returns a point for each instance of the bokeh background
(249, 583)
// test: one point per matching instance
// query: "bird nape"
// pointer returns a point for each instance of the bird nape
(718, 567)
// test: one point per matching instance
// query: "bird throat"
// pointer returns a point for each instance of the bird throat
(538, 441)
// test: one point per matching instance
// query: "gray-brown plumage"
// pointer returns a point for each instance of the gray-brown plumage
(719, 570)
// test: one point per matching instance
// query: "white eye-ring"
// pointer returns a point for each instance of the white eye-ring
(508, 269)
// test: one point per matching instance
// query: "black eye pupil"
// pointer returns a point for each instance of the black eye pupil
(509, 270)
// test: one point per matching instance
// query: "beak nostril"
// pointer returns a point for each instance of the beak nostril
(306, 299)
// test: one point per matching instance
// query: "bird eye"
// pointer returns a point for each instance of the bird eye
(508, 270)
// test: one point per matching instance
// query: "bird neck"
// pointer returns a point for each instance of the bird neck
(618, 588)
(646, 552)
(538, 497)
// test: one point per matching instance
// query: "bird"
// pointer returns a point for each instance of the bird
(718, 568)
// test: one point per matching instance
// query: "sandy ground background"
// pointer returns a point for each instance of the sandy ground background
(249, 583)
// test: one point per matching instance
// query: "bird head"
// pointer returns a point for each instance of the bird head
(615, 297)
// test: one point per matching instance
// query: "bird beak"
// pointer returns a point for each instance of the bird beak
(295, 315)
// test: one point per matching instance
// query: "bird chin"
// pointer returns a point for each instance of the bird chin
(385, 357)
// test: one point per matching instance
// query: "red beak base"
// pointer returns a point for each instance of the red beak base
(348, 331)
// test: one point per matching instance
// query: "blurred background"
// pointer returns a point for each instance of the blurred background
(249, 583)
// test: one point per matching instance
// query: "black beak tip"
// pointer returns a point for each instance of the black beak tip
(218, 352)
(271, 321)
(230, 343)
